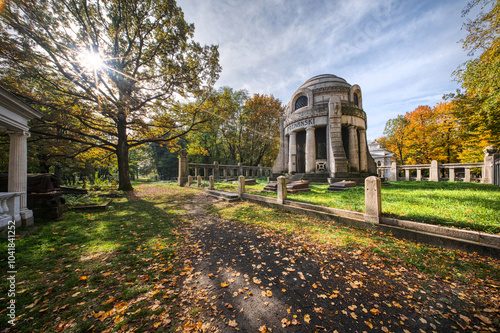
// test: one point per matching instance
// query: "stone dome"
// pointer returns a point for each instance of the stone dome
(325, 80)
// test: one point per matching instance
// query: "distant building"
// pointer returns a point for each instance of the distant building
(382, 157)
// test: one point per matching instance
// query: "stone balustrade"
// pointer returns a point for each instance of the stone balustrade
(221, 171)
(10, 203)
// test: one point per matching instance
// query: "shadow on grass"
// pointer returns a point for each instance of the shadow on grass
(69, 268)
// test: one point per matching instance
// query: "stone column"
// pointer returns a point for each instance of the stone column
(281, 190)
(363, 152)
(224, 172)
(467, 175)
(292, 156)
(451, 176)
(241, 185)
(407, 174)
(216, 170)
(310, 150)
(394, 172)
(419, 174)
(353, 149)
(434, 171)
(205, 173)
(488, 170)
(211, 182)
(373, 199)
(18, 172)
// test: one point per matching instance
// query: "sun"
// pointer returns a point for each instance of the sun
(91, 60)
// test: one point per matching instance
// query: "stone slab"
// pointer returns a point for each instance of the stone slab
(342, 186)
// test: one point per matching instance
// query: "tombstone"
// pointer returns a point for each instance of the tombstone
(250, 182)
(299, 186)
(198, 180)
(342, 186)
(183, 168)
(282, 190)
(373, 199)
(211, 182)
(241, 185)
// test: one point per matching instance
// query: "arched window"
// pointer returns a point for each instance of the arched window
(355, 97)
(300, 102)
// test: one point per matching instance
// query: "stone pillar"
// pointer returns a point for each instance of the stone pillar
(419, 174)
(434, 171)
(407, 174)
(353, 149)
(281, 190)
(292, 150)
(196, 172)
(310, 150)
(18, 172)
(373, 199)
(260, 170)
(488, 170)
(216, 170)
(190, 180)
(224, 172)
(241, 185)
(211, 182)
(393, 172)
(205, 173)
(467, 175)
(451, 176)
(363, 151)
(198, 180)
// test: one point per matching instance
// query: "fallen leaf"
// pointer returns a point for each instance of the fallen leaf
(307, 318)
(269, 293)
(232, 323)
(370, 325)
(224, 284)
(484, 319)
(256, 281)
(263, 329)
(375, 311)
(111, 299)
(82, 278)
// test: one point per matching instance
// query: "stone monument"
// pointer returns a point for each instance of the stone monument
(323, 133)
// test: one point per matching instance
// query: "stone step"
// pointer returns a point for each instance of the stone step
(226, 196)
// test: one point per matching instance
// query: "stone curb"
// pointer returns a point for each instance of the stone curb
(458, 239)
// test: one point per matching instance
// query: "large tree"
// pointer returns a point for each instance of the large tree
(108, 74)
(478, 106)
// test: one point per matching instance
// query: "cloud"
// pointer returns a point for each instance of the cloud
(401, 53)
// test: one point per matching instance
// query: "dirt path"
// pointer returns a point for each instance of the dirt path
(250, 279)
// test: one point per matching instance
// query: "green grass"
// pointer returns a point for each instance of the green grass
(453, 204)
(373, 247)
(111, 265)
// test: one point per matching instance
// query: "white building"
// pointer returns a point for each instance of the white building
(382, 157)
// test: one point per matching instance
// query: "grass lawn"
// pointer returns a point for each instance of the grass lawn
(100, 271)
(453, 204)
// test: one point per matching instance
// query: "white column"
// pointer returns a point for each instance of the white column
(310, 150)
(353, 149)
(18, 172)
(292, 156)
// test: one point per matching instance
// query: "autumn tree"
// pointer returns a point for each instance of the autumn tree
(242, 130)
(478, 106)
(395, 137)
(108, 74)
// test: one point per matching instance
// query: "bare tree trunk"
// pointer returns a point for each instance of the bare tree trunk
(122, 156)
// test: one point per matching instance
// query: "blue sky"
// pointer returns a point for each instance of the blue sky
(402, 53)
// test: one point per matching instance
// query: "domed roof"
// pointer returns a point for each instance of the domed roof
(325, 80)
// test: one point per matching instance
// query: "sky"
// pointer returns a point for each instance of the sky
(401, 53)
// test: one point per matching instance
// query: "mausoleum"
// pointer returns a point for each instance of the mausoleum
(323, 133)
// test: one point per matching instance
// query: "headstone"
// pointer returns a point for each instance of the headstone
(241, 185)
(211, 182)
(250, 182)
(198, 180)
(342, 186)
(190, 180)
(282, 190)
(434, 172)
(300, 186)
(373, 199)
(183, 167)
